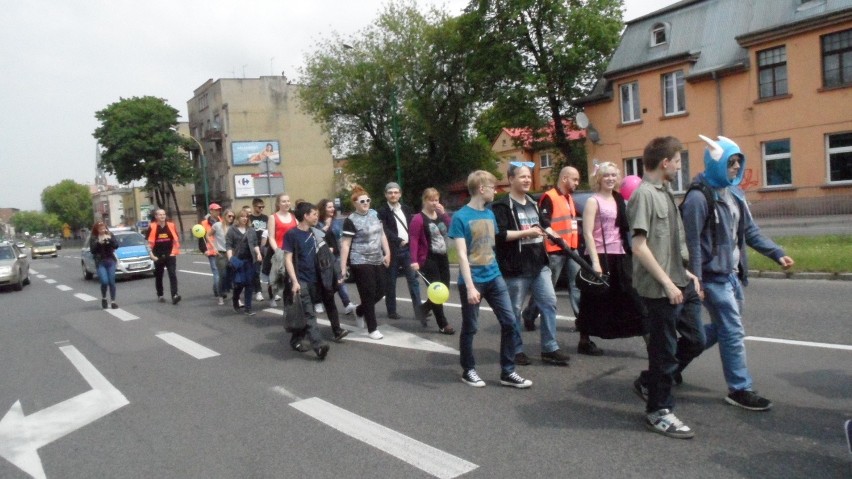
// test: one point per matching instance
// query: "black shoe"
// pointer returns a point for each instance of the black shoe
(161, 299)
(114, 305)
(521, 359)
(176, 299)
(250, 312)
(394, 316)
(338, 336)
(529, 320)
(299, 347)
(104, 303)
(677, 378)
(554, 357)
(640, 389)
(516, 381)
(322, 351)
(448, 330)
(589, 348)
(237, 309)
(749, 400)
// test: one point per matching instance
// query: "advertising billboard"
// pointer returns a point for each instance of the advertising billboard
(254, 152)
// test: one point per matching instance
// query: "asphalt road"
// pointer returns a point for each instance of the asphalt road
(251, 407)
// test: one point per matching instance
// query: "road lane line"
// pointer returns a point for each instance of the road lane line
(85, 297)
(50, 281)
(195, 272)
(41, 276)
(800, 343)
(280, 390)
(188, 346)
(33, 272)
(420, 455)
(62, 287)
(121, 314)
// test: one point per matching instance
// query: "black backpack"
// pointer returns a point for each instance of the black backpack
(710, 197)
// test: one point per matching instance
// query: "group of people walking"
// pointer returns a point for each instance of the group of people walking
(661, 264)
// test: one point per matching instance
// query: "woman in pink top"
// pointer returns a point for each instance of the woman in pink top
(618, 313)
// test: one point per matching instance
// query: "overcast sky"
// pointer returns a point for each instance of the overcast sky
(61, 61)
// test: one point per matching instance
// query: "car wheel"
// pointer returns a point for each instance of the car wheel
(34, 257)
(86, 273)
(20, 284)
(27, 279)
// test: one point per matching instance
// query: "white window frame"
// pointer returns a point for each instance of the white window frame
(776, 157)
(678, 86)
(682, 181)
(830, 151)
(546, 160)
(658, 28)
(632, 91)
(633, 166)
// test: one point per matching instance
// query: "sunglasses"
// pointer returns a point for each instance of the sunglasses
(733, 161)
(518, 164)
(365, 202)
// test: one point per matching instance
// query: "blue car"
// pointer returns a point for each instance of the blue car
(134, 255)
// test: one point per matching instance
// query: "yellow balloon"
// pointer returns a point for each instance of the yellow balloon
(198, 231)
(438, 293)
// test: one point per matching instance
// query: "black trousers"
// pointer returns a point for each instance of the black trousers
(370, 281)
(437, 268)
(168, 263)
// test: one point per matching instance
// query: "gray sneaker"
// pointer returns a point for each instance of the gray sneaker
(666, 423)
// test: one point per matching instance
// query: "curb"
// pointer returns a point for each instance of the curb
(800, 275)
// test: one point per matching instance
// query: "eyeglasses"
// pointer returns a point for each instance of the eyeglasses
(518, 164)
(365, 201)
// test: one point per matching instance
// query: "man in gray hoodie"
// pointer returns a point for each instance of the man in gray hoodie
(718, 226)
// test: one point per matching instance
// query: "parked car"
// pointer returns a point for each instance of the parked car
(21, 245)
(133, 253)
(43, 247)
(14, 267)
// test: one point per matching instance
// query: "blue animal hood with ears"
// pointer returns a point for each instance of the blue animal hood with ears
(716, 157)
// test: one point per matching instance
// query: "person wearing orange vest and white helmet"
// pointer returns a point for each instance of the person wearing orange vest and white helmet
(557, 207)
(210, 241)
(165, 246)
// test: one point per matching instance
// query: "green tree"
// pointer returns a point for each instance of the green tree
(543, 54)
(70, 202)
(37, 222)
(401, 85)
(140, 142)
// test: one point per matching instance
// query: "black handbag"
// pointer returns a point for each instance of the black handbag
(591, 284)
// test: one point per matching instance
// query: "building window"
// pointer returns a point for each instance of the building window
(776, 163)
(546, 160)
(772, 72)
(682, 181)
(658, 34)
(839, 149)
(674, 99)
(633, 166)
(630, 102)
(837, 59)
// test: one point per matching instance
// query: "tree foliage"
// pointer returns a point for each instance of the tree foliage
(37, 222)
(540, 55)
(70, 202)
(407, 68)
(140, 142)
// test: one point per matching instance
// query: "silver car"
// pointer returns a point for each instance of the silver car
(14, 267)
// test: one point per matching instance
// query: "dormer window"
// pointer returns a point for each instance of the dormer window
(659, 34)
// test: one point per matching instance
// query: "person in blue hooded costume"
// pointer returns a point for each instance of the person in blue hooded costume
(716, 239)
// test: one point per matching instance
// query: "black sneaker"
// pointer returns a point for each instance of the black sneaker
(749, 400)
(114, 305)
(250, 312)
(589, 348)
(338, 336)
(104, 303)
(394, 316)
(640, 389)
(521, 359)
(298, 346)
(529, 320)
(514, 380)
(666, 423)
(555, 357)
(677, 378)
(161, 299)
(322, 351)
(471, 378)
(176, 299)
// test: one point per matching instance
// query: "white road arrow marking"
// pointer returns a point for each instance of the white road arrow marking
(21, 436)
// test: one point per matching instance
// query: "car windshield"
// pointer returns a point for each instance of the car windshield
(45, 243)
(134, 239)
(6, 252)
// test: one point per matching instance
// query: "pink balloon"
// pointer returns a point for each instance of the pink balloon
(629, 185)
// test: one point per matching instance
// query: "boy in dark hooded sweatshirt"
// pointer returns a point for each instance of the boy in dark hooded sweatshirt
(716, 240)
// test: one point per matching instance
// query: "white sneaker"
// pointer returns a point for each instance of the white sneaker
(318, 308)
(242, 305)
(258, 296)
(350, 309)
(277, 297)
(221, 301)
(375, 335)
(273, 303)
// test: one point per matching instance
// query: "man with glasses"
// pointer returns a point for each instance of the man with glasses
(395, 217)
(524, 262)
(717, 232)
(259, 222)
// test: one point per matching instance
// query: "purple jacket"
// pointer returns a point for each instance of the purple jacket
(418, 242)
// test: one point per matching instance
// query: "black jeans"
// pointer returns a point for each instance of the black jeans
(437, 268)
(168, 263)
(370, 281)
(665, 350)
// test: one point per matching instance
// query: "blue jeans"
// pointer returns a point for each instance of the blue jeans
(497, 295)
(401, 258)
(724, 302)
(541, 289)
(665, 351)
(214, 268)
(106, 275)
(557, 263)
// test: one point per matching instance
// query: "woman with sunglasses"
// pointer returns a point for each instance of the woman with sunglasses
(242, 251)
(328, 222)
(364, 239)
(103, 245)
(219, 233)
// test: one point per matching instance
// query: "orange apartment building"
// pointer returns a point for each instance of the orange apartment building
(774, 76)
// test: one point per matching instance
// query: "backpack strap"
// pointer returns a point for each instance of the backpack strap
(712, 219)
